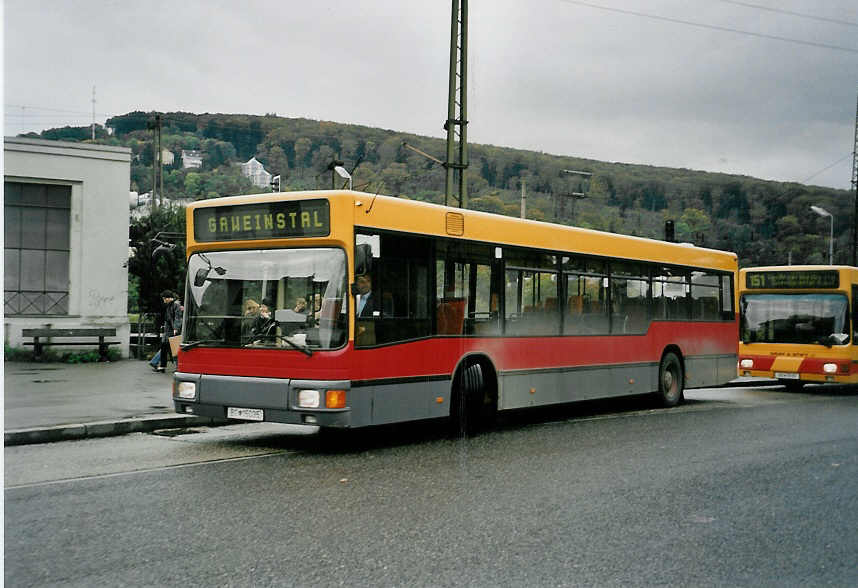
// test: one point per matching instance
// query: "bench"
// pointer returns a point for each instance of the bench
(38, 345)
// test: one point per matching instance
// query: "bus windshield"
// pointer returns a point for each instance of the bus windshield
(275, 298)
(795, 318)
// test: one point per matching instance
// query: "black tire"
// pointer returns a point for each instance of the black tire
(473, 410)
(792, 385)
(671, 381)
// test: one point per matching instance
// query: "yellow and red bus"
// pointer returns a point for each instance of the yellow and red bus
(343, 309)
(798, 324)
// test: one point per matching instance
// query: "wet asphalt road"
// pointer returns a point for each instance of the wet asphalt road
(739, 487)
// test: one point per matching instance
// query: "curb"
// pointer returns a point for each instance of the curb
(103, 429)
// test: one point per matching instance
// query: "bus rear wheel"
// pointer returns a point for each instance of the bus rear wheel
(473, 410)
(670, 381)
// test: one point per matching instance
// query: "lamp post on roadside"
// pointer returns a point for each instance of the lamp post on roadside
(341, 171)
(822, 212)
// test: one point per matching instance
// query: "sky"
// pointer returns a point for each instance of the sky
(765, 88)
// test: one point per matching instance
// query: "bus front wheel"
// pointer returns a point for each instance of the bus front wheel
(670, 380)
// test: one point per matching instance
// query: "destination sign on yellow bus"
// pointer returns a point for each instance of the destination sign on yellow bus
(789, 280)
(263, 220)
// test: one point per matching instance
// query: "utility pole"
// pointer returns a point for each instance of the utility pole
(523, 197)
(855, 193)
(458, 86)
(93, 113)
(155, 127)
(160, 161)
(583, 185)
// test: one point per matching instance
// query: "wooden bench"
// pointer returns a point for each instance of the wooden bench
(38, 345)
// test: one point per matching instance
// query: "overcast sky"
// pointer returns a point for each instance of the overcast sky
(712, 85)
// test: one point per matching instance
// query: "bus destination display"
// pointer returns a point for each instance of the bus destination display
(263, 220)
(787, 280)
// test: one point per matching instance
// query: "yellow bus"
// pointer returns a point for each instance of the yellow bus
(798, 324)
(343, 309)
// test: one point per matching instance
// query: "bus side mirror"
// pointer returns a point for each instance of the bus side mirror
(363, 259)
(200, 277)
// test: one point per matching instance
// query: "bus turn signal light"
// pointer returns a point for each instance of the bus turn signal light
(335, 399)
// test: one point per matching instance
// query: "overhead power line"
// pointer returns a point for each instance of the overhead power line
(710, 26)
(27, 107)
(826, 168)
(791, 13)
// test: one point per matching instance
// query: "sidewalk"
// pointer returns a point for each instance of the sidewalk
(46, 402)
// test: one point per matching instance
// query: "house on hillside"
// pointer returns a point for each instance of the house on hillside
(192, 158)
(256, 172)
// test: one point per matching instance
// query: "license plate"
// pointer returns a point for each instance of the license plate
(786, 376)
(245, 414)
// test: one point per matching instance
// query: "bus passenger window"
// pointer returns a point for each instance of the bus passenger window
(705, 296)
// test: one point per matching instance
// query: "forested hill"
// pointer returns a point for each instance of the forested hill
(765, 222)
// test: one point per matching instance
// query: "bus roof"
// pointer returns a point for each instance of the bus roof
(799, 268)
(400, 214)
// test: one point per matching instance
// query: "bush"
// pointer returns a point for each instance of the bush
(50, 355)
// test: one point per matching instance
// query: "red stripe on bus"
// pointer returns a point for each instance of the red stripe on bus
(761, 362)
(439, 356)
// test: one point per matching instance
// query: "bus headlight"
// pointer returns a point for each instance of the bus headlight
(830, 368)
(308, 398)
(186, 390)
(746, 363)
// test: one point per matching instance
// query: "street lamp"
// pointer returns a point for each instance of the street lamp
(822, 212)
(341, 171)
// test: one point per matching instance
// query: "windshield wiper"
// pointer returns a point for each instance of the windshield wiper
(192, 344)
(302, 348)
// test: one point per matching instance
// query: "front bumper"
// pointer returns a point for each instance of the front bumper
(276, 398)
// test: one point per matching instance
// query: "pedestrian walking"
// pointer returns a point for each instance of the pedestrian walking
(171, 325)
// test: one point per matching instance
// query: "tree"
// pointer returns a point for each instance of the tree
(488, 203)
(302, 150)
(165, 273)
(217, 153)
(693, 225)
(394, 176)
(276, 161)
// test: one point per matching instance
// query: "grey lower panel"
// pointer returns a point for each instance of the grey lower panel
(709, 370)
(244, 392)
(538, 388)
(541, 387)
(391, 403)
(374, 404)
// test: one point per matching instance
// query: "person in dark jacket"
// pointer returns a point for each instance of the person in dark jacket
(171, 324)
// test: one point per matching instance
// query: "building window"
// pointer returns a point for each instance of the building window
(36, 256)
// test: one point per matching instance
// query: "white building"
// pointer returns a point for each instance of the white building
(167, 157)
(192, 158)
(66, 237)
(256, 172)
